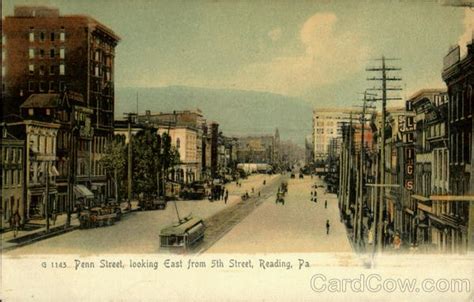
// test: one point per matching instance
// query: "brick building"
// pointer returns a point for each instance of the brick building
(45, 52)
(458, 74)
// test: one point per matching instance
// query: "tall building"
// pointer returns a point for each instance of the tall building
(458, 74)
(327, 123)
(433, 225)
(45, 52)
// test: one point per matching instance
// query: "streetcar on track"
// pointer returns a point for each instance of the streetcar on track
(182, 236)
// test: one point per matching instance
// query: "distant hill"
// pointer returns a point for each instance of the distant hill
(238, 112)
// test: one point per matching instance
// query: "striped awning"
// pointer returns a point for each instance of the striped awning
(452, 197)
(83, 191)
(420, 197)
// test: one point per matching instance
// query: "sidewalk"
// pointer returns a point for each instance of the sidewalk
(35, 230)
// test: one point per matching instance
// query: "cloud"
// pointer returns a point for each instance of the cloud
(330, 55)
(467, 36)
(275, 34)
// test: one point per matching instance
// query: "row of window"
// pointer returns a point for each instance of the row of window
(437, 130)
(440, 164)
(63, 140)
(461, 104)
(43, 86)
(53, 69)
(461, 147)
(53, 53)
(99, 145)
(42, 35)
(43, 144)
(440, 99)
(38, 172)
(12, 155)
(12, 178)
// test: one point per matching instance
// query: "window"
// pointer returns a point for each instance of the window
(32, 36)
(31, 112)
(62, 35)
(31, 53)
(31, 86)
(48, 111)
(96, 71)
(178, 143)
(42, 86)
(61, 69)
(41, 70)
(42, 36)
(41, 54)
(97, 55)
(62, 53)
(4, 40)
(52, 69)
(52, 86)
(31, 68)
(3, 71)
(52, 36)
(52, 53)
(4, 54)
(62, 86)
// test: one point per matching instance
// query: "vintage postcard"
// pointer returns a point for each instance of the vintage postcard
(218, 150)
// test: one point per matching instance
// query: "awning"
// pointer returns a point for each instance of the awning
(54, 171)
(420, 198)
(424, 208)
(83, 191)
(452, 197)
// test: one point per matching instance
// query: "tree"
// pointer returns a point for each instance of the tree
(114, 162)
(146, 161)
(170, 155)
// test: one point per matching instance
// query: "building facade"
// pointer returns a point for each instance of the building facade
(256, 149)
(458, 74)
(45, 52)
(327, 124)
(12, 177)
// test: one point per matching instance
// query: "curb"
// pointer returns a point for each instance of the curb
(41, 237)
(55, 233)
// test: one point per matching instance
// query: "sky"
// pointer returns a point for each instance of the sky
(315, 50)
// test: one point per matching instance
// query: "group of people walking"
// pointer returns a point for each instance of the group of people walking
(314, 198)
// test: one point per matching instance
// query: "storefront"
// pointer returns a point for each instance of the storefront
(83, 195)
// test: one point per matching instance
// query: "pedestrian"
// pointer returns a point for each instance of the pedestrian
(327, 227)
(54, 217)
(264, 182)
(15, 220)
(226, 197)
(325, 204)
(253, 190)
(258, 193)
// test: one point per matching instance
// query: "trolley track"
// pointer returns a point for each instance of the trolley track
(221, 223)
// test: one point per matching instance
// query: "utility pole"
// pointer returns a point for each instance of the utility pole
(349, 160)
(360, 200)
(129, 168)
(47, 196)
(384, 79)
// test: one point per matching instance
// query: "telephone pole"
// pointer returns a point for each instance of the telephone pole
(384, 79)
(360, 200)
(129, 116)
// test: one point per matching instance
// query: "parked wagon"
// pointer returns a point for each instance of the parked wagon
(97, 217)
